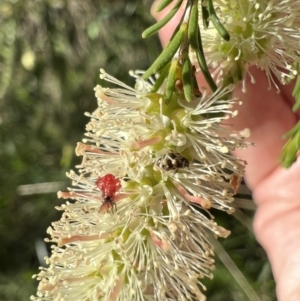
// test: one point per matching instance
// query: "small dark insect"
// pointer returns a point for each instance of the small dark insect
(108, 185)
(172, 161)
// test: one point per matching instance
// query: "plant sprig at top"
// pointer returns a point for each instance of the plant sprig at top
(157, 158)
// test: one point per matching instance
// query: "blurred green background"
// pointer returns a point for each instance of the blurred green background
(50, 55)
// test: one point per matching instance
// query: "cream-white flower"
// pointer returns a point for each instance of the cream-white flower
(264, 33)
(145, 239)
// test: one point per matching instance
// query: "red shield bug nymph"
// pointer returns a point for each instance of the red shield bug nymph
(108, 185)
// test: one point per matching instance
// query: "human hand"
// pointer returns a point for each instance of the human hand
(276, 191)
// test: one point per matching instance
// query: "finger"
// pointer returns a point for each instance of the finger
(268, 116)
(277, 228)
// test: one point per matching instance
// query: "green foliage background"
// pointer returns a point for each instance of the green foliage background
(50, 55)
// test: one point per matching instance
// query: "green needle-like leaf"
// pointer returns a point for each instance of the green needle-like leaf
(296, 94)
(196, 90)
(193, 27)
(202, 63)
(195, 42)
(216, 22)
(288, 154)
(292, 132)
(163, 4)
(157, 26)
(187, 79)
(205, 71)
(160, 79)
(171, 81)
(291, 148)
(168, 53)
(205, 15)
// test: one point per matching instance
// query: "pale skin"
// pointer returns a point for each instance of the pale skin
(276, 190)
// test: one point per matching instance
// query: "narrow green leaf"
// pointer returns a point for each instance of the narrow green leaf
(157, 26)
(205, 71)
(296, 94)
(196, 91)
(167, 54)
(163, 4)
(292, 147)
(202, 63)
(288, 154)
(292, 132)
(193, 27)
(170, 86)
(219, 27)
(161, 78)
(205, 15)
(187, 79)
(216, 22)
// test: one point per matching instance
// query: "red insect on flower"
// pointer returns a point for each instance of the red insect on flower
(108, 185)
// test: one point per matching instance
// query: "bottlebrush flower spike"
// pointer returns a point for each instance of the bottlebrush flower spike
(167, 165)
(264, 33)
